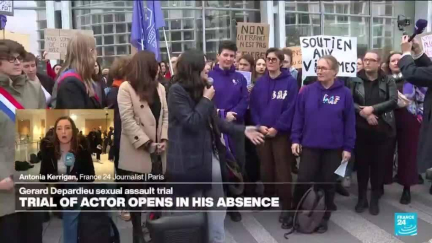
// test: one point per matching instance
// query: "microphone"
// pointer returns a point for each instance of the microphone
(210, 82)
(69, 161)
(420, 26)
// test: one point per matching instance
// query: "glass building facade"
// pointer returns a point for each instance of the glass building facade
(204, 24)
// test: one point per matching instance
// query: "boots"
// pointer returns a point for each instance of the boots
(138, 236)
(406, 196)
(362, 203)
(374, 207)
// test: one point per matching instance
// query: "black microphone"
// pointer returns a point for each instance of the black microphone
(420, 26)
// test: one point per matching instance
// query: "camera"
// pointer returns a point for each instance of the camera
(403, 22)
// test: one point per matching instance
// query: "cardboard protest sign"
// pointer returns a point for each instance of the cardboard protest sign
(56, 41)
(297, 56)
(253, 39)
(344, 49)
(427, 44)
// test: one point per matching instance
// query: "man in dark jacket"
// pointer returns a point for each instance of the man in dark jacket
(417, 69)
(375, 98)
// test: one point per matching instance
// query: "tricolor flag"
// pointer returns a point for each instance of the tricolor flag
(8, 104)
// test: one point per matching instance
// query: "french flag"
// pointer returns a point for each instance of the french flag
(8, 104)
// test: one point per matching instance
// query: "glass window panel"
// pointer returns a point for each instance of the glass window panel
(176, 36)
(122, 39)
(121, 50)
(177, 47)
(109, 51)
(97, 29)
(109, 40)
(329, 8)
(188, 46)
(96, 19)
(355, 27)
(383, 8)
(175, 24)
(129, 26)
(98, 40)
(108, 29)
(295, 30)
(120, 17)
(188, 35)
(120, 28)
(99, 51)
(188, 24)
(359, 7)
(108, 18)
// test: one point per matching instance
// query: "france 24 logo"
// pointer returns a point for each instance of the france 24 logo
(405, 224)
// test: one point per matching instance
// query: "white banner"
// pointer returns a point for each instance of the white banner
(344, 49)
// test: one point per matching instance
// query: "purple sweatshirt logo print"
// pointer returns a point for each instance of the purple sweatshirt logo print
(280, 95)
(331, 100)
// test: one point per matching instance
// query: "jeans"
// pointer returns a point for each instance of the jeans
(216, 218)
(70, 227)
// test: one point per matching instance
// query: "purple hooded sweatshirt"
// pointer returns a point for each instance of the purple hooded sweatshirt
(325, 118)
(231, 91)
(272, 101)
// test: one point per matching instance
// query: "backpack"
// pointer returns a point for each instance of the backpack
(310, 212)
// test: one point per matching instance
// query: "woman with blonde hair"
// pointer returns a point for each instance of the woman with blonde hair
(74, 87)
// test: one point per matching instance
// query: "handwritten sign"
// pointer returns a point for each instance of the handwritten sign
(6, 8)
(344, 49)
(57, 40)
(297, 56)
(427, 44)
(253, 39)
(248, 77)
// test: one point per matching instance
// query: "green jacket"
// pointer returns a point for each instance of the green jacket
(31, 96)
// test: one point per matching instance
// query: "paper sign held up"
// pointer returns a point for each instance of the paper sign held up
(253, 38)
(56, 41)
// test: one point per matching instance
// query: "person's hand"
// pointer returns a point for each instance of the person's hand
(44, 56)
(231, 116)
(161, 147)
(250, 87)
(254, 135)
(296, 149)
(372, 120)
(366, 111)
(272, 132)
(209, 92)
(6, 184)
(263, 130)
(405, 45)
(346, 156)
(416, 47)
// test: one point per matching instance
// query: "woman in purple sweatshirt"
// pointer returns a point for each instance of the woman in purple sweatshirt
(272, 104)
(323, 132)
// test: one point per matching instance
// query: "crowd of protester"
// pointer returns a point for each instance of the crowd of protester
(170, 122)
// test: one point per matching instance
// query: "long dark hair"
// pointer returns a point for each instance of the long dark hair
(74, 140)
(97, 77)
(389, 71)
(141, 74)
(189, 67)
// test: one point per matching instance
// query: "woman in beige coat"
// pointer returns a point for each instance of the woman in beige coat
(144, 117)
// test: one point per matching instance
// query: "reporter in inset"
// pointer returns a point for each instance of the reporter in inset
(195, 150)
(66, 142)
(272, 105)
(74, 86)
(323, 133)
(17, 92)
(416, 68)
(144, 117)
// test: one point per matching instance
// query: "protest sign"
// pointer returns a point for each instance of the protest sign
(253, 39)
(7, 8)
(248, 77)
(344, 49)
(427, 44)
(297, 56)
(56, 41)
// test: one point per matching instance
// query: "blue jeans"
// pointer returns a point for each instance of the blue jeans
(70, 227)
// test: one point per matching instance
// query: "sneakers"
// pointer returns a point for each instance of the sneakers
(323, 227)
(406, 196)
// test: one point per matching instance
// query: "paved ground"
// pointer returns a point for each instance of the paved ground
(346, 226)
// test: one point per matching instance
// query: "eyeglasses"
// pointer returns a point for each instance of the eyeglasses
(369, 60)
(269, 59)
(13, 59)
(322, 69)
